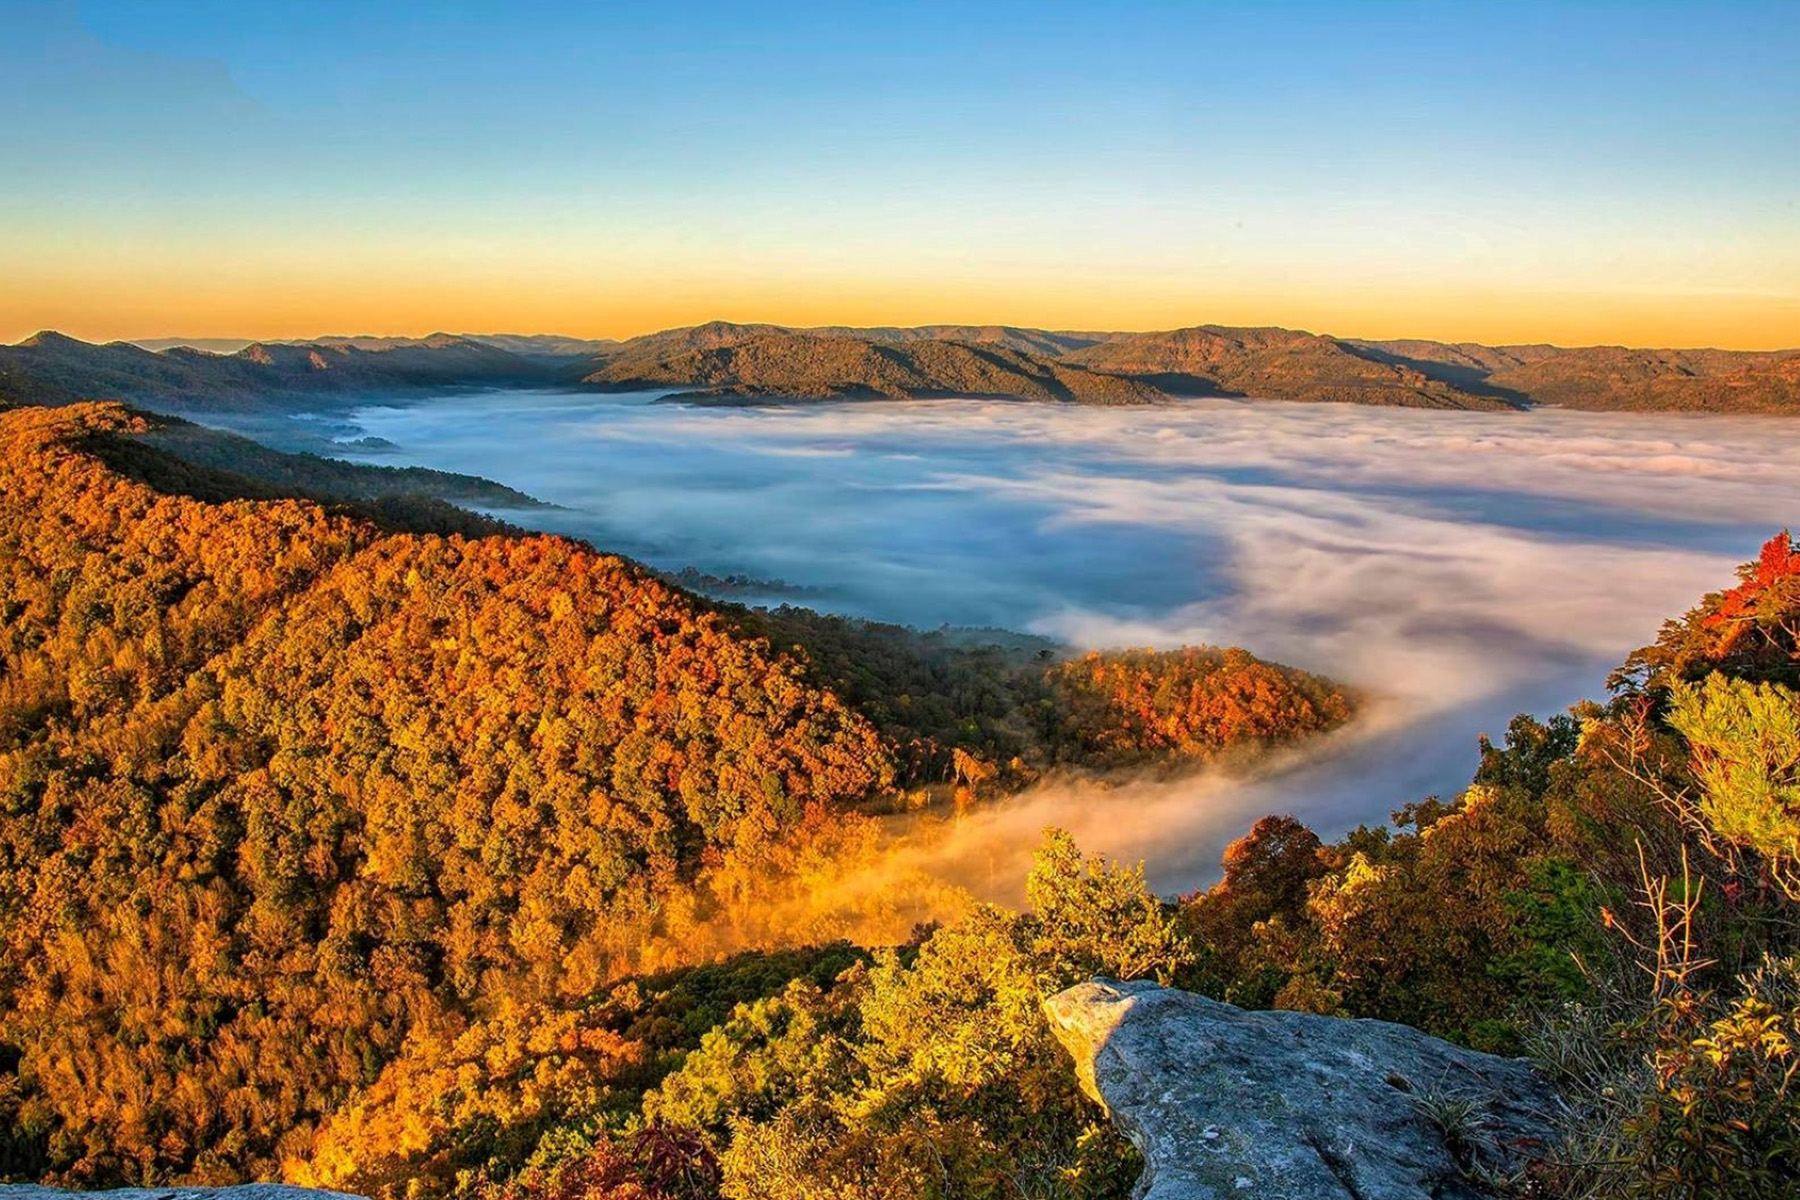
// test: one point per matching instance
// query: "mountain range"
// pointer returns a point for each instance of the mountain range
(725, 362)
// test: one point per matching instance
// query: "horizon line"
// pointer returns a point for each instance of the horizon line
(320, 338)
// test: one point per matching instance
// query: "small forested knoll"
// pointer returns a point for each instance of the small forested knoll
(1137, 706)
(817, 366)
(992, 710)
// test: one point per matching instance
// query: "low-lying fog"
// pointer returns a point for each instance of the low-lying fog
(1462, 566)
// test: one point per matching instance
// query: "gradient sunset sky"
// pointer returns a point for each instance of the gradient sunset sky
(1593, 172)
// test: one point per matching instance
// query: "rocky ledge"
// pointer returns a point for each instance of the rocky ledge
(1228, 1103)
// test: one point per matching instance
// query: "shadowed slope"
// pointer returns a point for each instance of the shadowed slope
(1277, 364)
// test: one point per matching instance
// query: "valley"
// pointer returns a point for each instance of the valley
(1455, 567)
(648, 601)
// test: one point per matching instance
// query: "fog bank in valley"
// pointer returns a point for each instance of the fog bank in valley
(1459, 567)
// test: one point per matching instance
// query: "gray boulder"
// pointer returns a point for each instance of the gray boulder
(1226, 1103)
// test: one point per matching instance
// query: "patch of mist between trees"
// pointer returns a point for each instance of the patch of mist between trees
(1457, 567)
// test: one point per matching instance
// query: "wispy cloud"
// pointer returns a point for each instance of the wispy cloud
(1459, 567)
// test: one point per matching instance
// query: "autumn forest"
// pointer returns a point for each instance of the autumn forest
(300, 801)
(354, 839)
(952, 601)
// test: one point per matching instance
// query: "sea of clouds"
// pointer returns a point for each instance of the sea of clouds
(1460, 567)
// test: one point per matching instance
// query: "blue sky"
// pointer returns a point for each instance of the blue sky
(1574, 172)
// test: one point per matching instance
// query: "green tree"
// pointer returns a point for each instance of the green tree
(1091, 917)
(1745, 741)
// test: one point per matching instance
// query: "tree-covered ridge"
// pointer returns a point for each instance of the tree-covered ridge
(280, 788)
(174, 456)
(816, 366)
(1614, 377)
(725, 362)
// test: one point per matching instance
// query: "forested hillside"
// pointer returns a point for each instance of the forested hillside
(280, 790)
(816, 366)
(1612, 378)
(1281, 364)
(493, 866)
(1616, 894)
(300, 802)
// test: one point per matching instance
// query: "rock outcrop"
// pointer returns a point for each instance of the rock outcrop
(1228, 1103)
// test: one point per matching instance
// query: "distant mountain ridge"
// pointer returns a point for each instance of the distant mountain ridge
(727, 362)
(50, 368)
(815, 366)
(1286, 364)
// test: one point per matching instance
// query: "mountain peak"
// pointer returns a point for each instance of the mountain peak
(50, 337)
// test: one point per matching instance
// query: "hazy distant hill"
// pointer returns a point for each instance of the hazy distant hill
(180, 457)
(1611, 377)
(210, 345)
(528, 345)
(1046, 343)
(726, 363)
(51, 368)
(1279, 364)
(543, 345)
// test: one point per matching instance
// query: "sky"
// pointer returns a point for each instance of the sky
(1519, 171)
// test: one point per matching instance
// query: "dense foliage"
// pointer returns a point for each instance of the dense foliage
(928, 1072)
(279, 790)
(382, 860)
(1138, 706)
(304, 816)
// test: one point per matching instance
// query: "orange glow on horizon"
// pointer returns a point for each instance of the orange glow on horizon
(217, 305)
